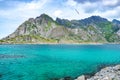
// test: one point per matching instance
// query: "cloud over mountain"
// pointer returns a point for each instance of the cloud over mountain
(18, 11)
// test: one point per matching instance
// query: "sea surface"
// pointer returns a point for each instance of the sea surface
(49, 62)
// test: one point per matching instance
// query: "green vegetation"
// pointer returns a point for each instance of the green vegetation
(29, 39)
(68, 24)
(44, 29)
(48, 26)
(107, 29)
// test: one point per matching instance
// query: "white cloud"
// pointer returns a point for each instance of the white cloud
(71, 3)
(24, 10)
(89, 7)
(58, 13)
(109, 9)
(110, 2)
(34, 5)
(112, 14)
(13, 17)
(2, 35)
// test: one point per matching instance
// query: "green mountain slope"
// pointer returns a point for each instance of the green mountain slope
(43, 29)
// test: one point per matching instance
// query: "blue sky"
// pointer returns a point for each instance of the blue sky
(15, 12)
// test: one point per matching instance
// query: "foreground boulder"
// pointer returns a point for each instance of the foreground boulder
(108, 73)
(81, 78)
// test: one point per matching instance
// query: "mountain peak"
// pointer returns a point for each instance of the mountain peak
(93, 20)
(44, 29)
(116, 21)
(43, 19)
(46, 17)
(97, 18)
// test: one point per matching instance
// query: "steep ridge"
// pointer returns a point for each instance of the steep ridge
(43, 29)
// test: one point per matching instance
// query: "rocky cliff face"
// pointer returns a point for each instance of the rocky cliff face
(107, 73)
(44, 29)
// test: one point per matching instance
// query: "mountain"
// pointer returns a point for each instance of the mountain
(81, 23)
(116, 21)
(43, 29)
(105, 28)
(116, 24)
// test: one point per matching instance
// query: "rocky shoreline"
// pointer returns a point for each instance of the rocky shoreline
(107, 73)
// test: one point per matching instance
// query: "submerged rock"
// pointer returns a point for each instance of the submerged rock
(1, 75)
(81, 78)
(67, 78)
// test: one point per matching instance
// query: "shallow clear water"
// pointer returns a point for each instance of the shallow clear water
(46, 62)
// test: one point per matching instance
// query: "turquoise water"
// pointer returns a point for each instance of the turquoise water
(47, 62)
